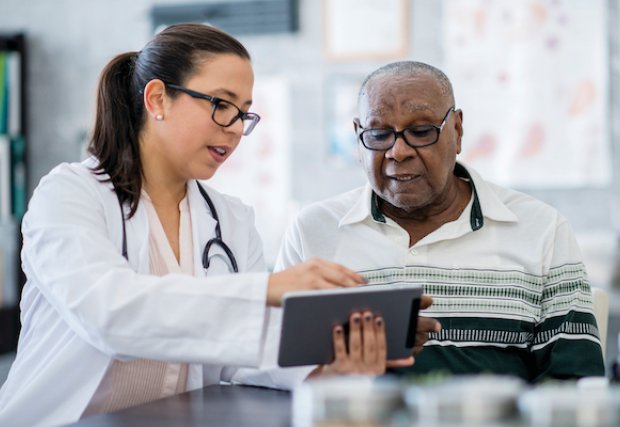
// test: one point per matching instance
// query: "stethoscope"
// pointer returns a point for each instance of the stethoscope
(215, 241)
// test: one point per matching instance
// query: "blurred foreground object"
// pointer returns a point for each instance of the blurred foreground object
(464, 400)
(567, 405)
(347, 401)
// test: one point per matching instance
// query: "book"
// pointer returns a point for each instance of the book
(5, 178)
(4, 105)
(14, 78)
(1, 276)
(18, 177)
(9, 259)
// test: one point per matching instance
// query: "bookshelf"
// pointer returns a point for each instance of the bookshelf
(13, 185)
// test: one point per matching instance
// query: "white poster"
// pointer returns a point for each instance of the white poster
(532, 81)
(365, 29)
(258, 171)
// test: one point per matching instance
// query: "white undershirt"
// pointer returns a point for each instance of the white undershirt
(130, 383)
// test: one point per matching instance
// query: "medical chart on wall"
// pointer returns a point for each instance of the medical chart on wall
(258, 171)
(340, 109)
(532, 80)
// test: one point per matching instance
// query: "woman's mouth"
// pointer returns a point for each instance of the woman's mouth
(219, 153)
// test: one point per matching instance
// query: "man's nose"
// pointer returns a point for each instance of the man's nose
(401, 150)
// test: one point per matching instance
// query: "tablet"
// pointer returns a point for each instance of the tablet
(309, 317)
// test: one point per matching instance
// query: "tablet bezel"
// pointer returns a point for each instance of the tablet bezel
(308, 319)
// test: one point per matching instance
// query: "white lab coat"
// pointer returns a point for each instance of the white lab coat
(85, 305)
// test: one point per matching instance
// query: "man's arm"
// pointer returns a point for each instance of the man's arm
(566, 342)
(292, 252)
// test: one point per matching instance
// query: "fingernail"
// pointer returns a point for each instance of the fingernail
(338, 330)
(364, 280)
(368, 317)
(438, 327)
(379, 321)
(356, 320)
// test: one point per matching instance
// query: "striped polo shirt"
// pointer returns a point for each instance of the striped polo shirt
(507, 279)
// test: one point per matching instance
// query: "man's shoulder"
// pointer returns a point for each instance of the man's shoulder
(525, 206)
(332, 208)
(522, 204)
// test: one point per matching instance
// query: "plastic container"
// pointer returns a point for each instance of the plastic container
(464, 400)
(346, 401)
(569, 405)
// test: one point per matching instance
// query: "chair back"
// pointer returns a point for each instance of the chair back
(601, 313)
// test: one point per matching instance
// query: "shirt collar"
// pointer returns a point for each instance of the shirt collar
(486, 203)
(489, 203)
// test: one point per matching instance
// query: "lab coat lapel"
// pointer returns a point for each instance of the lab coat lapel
(203, 224)
(138, 239)
(203, 228)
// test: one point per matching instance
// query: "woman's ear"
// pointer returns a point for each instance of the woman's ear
(154, 98)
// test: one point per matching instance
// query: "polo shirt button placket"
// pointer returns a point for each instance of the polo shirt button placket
(401, 239)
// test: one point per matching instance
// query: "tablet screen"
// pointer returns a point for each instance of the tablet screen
(309, 317)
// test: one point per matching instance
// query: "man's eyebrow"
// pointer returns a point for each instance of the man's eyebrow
(415, 107)
(378, 111)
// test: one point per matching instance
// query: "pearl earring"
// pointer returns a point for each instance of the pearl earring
(159, 117)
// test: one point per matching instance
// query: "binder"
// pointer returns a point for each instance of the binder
(5, 178)
(18, 177)
(13, 78)
(4, 104)
(1, 277)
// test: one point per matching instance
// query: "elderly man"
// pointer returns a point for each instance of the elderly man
(503, 269)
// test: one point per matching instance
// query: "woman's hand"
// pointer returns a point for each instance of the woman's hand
(313, 274)
(366, 348)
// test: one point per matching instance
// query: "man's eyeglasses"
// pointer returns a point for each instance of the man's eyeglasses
(224, 113)
(414, 136)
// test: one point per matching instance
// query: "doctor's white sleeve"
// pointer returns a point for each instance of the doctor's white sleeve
(72, 263)
(270, 374)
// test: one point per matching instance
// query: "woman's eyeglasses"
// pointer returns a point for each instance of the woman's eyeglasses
(224, 113)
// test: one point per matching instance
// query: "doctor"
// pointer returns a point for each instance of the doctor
(127, 255)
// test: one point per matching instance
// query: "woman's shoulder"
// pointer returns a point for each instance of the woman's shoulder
(73, 179)
(84, 170)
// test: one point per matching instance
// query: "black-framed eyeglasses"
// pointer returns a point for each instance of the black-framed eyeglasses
(415, 136)
(224, 113)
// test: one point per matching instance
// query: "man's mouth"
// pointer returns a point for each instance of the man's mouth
(403, 178)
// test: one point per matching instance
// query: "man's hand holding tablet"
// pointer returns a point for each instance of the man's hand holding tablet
(357, 330)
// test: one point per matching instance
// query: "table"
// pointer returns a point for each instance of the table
(235, 405)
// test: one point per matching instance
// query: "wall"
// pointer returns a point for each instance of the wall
(70, 41)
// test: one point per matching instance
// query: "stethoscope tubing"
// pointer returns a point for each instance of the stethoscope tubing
(217, 240)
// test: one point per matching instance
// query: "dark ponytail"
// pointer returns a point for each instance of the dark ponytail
(115, 136)
(172, 56)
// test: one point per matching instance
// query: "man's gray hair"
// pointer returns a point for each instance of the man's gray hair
(411, 68)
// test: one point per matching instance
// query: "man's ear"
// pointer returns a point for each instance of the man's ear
(154, 97)
(356, 124)
(458, 127)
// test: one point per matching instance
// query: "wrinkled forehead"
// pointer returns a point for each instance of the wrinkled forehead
(386, 95)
